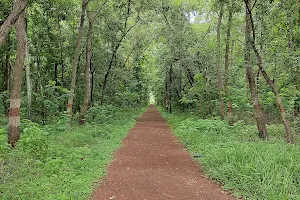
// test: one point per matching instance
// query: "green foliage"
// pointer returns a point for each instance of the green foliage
(235, 157)
(4, 146)
(33, 140)
(4, 100)
(100, 114)
(75, 160)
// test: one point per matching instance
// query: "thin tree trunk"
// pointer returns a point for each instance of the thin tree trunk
(298, 21)
(15, 97)
(267, 78)
(87, 82)
(170, 89)
(28, 80)
(107, 74)
(166, 97)
(76, 58)
(19, 7)
(227, 92)
(259, 114)
(56, 73)
(7, 70)
(92, 85)
(115, 50)
(221, 102)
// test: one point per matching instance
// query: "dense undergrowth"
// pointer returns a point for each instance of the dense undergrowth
(236, 158)
(55, 162)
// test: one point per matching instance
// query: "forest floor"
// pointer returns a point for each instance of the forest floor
(153, 164)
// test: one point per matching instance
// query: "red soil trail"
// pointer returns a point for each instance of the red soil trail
(153, 165)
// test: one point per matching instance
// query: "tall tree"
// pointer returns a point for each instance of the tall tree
(259, 114)
(15, 96)
(228, 34)
(269, 81)
(76, 57)
(87, 82)
(220, 84)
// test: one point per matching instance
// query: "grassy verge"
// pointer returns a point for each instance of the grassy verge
(235, 157)
(48, 164)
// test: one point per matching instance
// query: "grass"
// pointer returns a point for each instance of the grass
(61, 165)
(236, 158)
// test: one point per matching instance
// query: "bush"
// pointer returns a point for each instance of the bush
(100, 114)
(4, 146)
(33, 140)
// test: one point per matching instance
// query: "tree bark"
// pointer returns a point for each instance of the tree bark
(87, 82)
(221, 102)
(259, 114)
(76, 58)
(267, 78)
(19, 7)
(227, 92)
(15, 97)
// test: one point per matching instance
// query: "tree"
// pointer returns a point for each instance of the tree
(228, 35)
(15, 97)
(259, 114)
(76, 57)
(218, 60)
(87, 82)
(266, 76)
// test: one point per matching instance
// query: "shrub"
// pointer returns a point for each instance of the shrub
(33, 140)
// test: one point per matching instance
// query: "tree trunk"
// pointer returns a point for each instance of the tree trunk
(227, 92)
(7, 70)
(15, 97)
(19, 7)
(170, 89)
(298, 21)
(221, 102)
(113, 57)
(87, 82)
(28, 80)
(92, 85)
(267, 78)
(56, 73)
(76, 58)
(115, 50)
(259, 114)
(166, 93)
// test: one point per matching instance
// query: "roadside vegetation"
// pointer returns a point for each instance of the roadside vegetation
(237, 159)
(57, 162)
(72, 71)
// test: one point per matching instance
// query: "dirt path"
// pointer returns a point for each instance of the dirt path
(153, 165)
